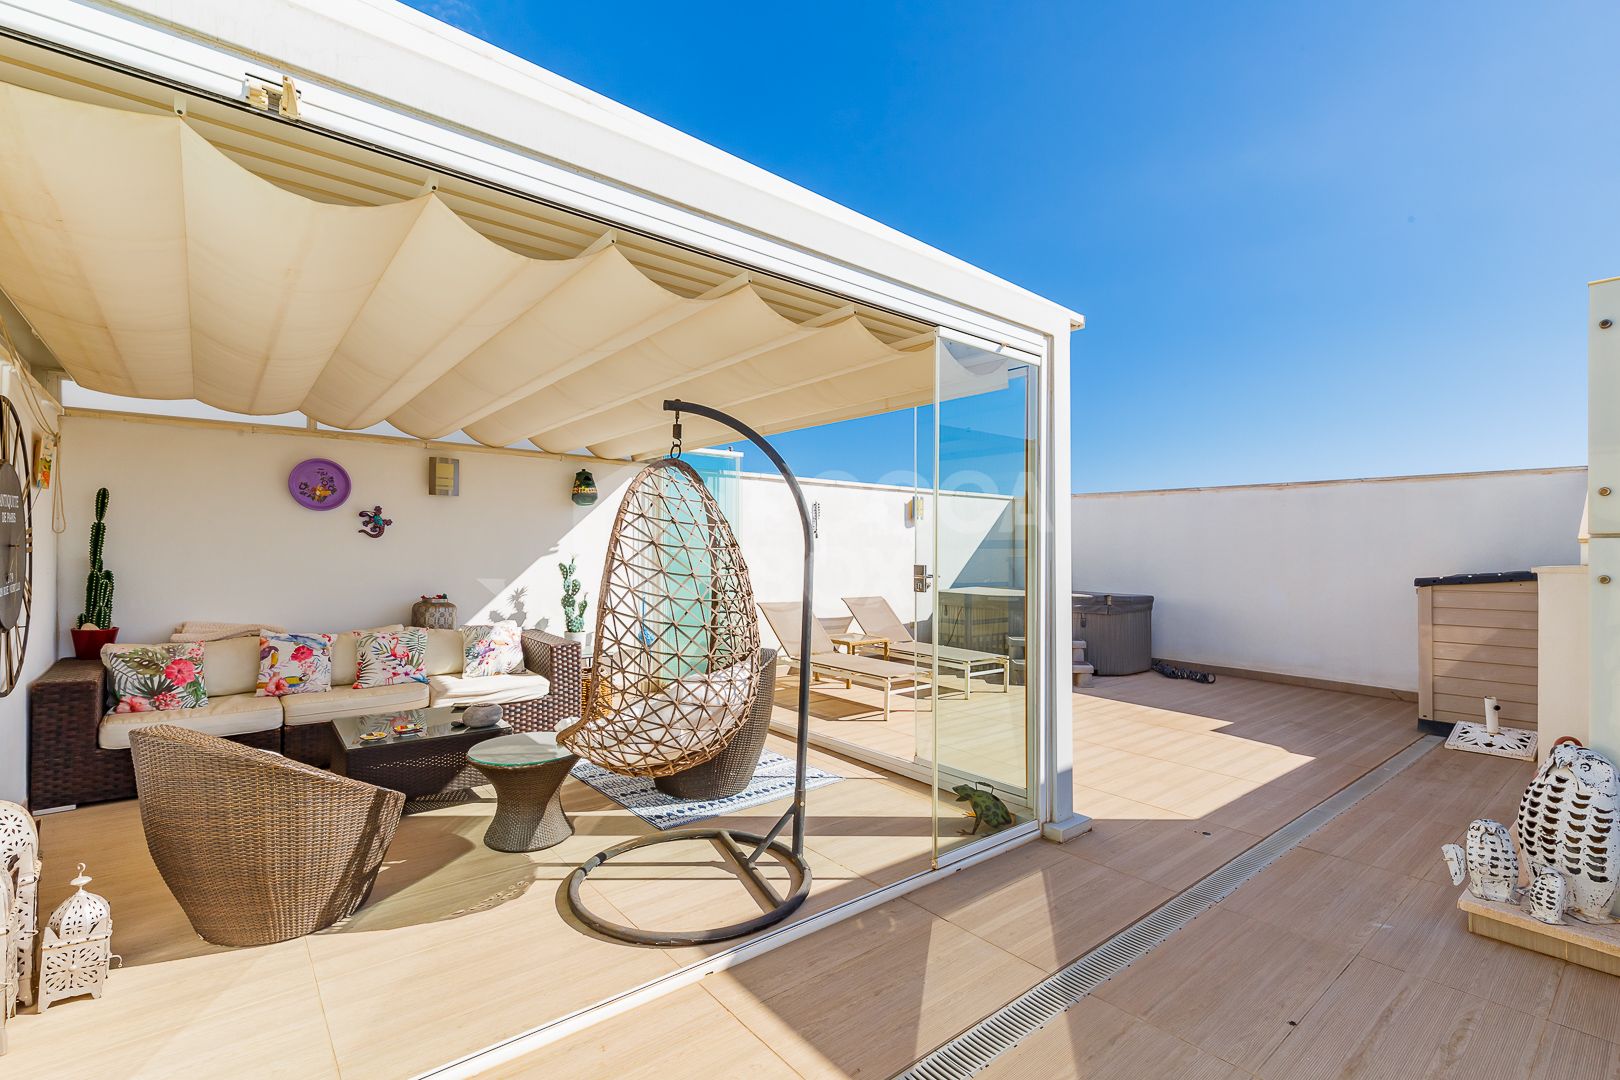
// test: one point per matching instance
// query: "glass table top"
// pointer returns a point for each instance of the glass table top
(515, 751)
(435, 723)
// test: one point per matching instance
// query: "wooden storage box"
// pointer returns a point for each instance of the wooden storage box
(1477, 639)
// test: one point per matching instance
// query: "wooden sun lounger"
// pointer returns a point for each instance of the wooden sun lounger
(824, 660)
(877, 617)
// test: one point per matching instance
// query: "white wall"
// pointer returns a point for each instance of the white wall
(201, 527)
(40, 654)
(1316, 579)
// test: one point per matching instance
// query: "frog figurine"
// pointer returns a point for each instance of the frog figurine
(986, 807)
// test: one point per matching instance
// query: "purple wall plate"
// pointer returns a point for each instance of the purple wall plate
(318, 483)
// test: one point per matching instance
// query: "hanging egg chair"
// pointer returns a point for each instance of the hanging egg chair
(677, 641)
(674, 672)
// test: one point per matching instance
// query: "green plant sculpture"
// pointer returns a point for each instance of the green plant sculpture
(98, 585)
(573, 604)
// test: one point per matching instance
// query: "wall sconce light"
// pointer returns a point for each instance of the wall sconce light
(444, 476)
(584, 490)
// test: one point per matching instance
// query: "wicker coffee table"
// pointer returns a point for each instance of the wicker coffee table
(528, 771)
(421, 765)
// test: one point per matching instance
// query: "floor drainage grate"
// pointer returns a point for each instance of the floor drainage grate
(979, 1045)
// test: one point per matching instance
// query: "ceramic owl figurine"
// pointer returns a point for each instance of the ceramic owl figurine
(1491, 864)
(1549, 896)
(1567, 823)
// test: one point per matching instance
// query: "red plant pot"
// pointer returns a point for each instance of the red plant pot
(87, 643)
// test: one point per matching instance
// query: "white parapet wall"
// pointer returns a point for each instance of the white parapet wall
(1315, 579)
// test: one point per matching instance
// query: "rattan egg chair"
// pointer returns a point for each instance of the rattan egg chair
(674, 672)
(677, 641)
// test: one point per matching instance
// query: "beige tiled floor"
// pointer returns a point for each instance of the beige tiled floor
(458, 946)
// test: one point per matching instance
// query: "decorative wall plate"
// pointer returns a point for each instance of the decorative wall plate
(318, 484)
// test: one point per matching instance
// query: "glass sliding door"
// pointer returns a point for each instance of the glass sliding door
(981, 707)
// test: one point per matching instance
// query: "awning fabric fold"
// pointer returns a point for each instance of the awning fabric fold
(155, 266)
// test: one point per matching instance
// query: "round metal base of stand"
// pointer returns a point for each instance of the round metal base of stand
(734, 848)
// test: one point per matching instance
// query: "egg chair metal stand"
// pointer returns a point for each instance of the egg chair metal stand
(741, 851)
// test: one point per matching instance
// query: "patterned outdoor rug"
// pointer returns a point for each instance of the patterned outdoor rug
(772, 780)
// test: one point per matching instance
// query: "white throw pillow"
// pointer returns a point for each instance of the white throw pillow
(294, 664)
(492, 650)
(391, 658)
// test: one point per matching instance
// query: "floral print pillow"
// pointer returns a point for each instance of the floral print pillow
(154, 678)
(391, 657)
(294, 664)
(492, 650)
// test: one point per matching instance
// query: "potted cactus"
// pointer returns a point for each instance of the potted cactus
(573, 604)
(94, 628)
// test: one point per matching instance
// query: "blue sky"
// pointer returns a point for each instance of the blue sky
(1310, 240)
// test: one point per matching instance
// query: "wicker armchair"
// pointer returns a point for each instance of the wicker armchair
(731, 772)
(255, 847)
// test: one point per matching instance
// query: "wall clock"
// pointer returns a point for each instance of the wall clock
(16, 548)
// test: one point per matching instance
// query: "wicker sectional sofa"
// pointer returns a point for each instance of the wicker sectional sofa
(77, 754)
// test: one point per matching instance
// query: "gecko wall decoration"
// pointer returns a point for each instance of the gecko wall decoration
(372, 523)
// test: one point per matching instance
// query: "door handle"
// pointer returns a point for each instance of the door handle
(920, 578)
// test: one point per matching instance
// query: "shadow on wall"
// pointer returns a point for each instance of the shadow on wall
(513, 609)
(996, 560)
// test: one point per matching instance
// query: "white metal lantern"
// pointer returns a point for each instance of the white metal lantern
(76, 949)
(19, 849)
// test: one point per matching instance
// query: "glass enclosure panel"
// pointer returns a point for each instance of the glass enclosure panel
(984, 466)
(721, 471)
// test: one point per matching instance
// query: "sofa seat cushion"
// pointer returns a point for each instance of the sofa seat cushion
(233, 714)
(488, 690)
(231, 666)
(347, 701)
(445, 652)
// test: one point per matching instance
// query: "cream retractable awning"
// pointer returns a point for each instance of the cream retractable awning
(155, 266)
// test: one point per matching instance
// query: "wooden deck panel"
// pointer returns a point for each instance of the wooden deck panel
(1346, 958)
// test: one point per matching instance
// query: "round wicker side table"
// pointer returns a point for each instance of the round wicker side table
(527, 771)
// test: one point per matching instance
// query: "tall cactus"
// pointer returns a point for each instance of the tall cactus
(98, 585)
(573, 604)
